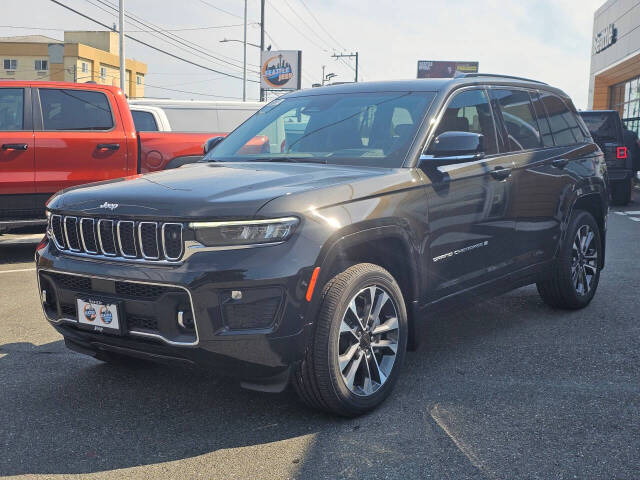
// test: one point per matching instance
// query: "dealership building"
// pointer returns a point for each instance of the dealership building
(615, 60)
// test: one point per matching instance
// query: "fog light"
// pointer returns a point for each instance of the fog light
(43, 296)
(236, 294)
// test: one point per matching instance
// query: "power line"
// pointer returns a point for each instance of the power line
(221, 10)
(292, 25)
(186, 29)
(152, 46)
(321, 26)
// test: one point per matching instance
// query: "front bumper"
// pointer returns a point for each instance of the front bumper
(258, 336)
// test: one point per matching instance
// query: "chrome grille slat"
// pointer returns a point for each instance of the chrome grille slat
(135, 241)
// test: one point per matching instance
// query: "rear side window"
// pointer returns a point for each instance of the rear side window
(469, 111)
(75, 110)
(144, 121)
(519, 119)
(543, 121)
(11, 109)
(564, 126)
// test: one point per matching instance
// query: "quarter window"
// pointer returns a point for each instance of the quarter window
(75, 110)
(519, 119)
(11, 109)
(469, 111)
(564, 126)
(543, 121)
(144, 121)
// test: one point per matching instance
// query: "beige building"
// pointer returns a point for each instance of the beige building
(81, 57)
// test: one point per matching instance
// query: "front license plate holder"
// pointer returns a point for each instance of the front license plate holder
(100, 315)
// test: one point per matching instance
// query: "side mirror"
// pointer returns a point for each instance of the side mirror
(211, 143)
(450, 148)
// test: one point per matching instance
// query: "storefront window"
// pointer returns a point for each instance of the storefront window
(625, 98)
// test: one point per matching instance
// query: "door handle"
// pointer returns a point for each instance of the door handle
(14, 146)
(108, 146)
(501, 173)
(560, 162)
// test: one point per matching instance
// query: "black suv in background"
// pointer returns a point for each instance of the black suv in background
(316, 262)
(622, 160)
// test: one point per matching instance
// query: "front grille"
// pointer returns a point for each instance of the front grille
(142, 323)
(141, 290)
(72, 282)
(126, 239)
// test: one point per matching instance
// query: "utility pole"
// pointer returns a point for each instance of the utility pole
(349, 55)
(244, 63)
(323, 67)
(123, 68)
(262, 96)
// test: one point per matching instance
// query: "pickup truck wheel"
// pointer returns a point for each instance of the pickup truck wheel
(621, 192)
(576, 273)
(359, 343)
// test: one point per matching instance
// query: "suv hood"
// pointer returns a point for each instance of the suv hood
(201, 191)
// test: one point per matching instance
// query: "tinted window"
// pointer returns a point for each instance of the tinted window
(11, 108)
(469, 111)
(603, 126)
(144, 121)
(543, 121)
(375, 128)
(75, 110)
(564, 126)
(519, 119)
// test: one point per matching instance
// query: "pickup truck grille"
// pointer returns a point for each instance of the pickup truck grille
(125, 239)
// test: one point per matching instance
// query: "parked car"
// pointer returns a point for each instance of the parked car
(56, 135)
(192, 115)
(147, 118)
(316, 262)
(607, 131)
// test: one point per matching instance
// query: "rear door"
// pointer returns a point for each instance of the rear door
(471, 231)
(17, 167)
(79, 137)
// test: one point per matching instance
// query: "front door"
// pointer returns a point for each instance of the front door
(470, 230)
(79, 139)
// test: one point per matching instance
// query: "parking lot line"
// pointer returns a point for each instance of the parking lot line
(19, 270)
(635, 219)
(635, 212)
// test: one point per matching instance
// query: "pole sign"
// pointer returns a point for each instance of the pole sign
(437, 69)
(605, 38)
(280, 70)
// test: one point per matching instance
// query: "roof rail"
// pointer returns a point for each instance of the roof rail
(468, 75)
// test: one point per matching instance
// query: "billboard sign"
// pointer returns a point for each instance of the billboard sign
(437, 69)
(280, 70)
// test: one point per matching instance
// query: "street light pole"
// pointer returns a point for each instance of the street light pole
(123, 71)
(262, 99)
(244, 62)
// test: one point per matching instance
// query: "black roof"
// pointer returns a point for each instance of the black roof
(426, 85)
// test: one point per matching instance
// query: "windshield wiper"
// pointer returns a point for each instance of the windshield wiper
(291, 159)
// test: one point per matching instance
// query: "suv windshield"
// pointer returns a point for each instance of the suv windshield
(374, 129)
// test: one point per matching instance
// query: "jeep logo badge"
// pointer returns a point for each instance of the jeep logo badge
(110, 206)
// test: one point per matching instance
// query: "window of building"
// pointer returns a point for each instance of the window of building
(564, 126)
(138, 79)
(84, 66)
(11, 109)
(519, 119)
(103, 73)
(75, 110)
(41, 65)
(144, 121)
(469, 111)
(10, 64)
(625, 98)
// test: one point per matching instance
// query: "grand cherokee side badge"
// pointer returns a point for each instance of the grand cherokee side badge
(462, 250)
(110, 206)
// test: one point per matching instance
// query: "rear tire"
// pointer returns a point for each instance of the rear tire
(576, 272)
(358, 345)
(621, 192)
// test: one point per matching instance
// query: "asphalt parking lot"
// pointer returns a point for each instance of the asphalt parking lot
(508, 389)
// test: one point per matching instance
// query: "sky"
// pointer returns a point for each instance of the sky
(545, 40)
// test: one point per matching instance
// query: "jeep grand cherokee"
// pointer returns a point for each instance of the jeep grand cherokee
(314, 263)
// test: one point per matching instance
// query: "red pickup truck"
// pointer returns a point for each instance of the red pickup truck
(55, 135)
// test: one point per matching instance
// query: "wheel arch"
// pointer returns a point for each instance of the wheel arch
(597, 206)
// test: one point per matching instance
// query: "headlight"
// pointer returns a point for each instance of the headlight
(218, 234)
(48, 232)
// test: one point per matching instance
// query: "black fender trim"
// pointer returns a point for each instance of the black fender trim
(179, 161)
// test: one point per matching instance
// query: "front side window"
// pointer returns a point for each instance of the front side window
(144, 121)
(75, 110)
(519, 119)
(374, 129)
(10, 64)
(11, 109)
(41, 65)
(469, 111)
(564, 126)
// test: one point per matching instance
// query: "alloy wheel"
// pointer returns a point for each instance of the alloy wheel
(368, 340)
(584, 260)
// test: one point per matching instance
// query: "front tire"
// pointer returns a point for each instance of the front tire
(359, 343)
(576, 272)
